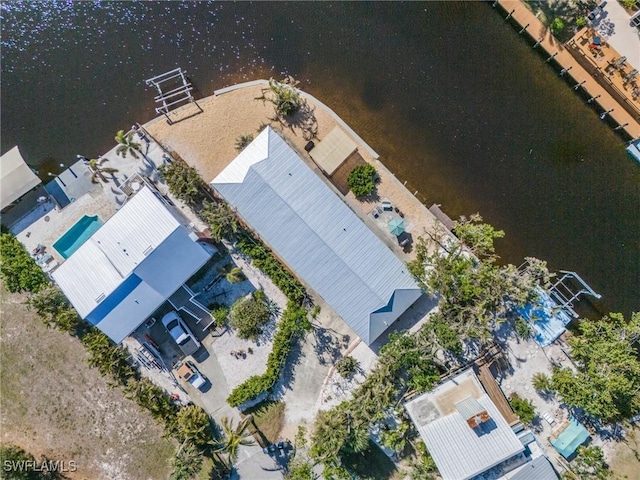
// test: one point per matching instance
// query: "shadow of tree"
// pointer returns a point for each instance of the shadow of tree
(303, 119)
(328, 345)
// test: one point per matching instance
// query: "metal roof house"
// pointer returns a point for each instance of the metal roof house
(317, 235)
(463, 430)
(121, 274)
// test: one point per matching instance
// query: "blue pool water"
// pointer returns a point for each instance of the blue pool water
(547, 319)
(77, 235)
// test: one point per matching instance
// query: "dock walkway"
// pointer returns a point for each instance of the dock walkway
(530, 24)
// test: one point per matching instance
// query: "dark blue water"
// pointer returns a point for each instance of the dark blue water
(453, 100)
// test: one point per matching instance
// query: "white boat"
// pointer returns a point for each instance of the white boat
(634, 149)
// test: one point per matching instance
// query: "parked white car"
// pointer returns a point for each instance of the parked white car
(179, 331)
(190, 373)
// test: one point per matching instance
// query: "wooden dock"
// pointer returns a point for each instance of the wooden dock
(495, 394)
(530, 24)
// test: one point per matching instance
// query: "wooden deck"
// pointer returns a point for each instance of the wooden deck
(495, 394)
(619, 112)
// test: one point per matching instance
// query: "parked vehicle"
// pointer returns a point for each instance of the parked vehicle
(188, 372)
(179, 331)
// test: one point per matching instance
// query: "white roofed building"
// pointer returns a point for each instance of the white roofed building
(317, 235)
(464, 431)
(131, 265)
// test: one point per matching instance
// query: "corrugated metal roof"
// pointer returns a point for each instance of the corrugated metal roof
(100, 265)
(469, 408)
(461, 452)
(538, 469)
(317, 235)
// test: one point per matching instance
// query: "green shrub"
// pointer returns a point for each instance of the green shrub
(316, 311)
(184, 182)
(248, 315)
(18, 270)
(361, 180)
(54, 309)
(582, 22)
(108, 358)
(557, 25)
(628, 4)
(267, 263)
(293, 323)
(522, 328)
(220, 313)
(542, 382)
(523, 408)
(347, 366)
(242, 141)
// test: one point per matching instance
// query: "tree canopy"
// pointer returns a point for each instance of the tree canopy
(18, 270)
(475, 292)
(607, 381)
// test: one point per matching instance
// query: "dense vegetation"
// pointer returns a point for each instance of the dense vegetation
(222, 220)
(362, 180)
(248, 315)
(523, 408)
(607, 382)
(265, 261)
(284, 95)
(184, 182)
(17, 464)
(292, 325)
(19, 271)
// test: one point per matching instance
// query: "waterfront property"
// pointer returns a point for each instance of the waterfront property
(77, 235)
(131, 265)
(467, 435)
(317, 235)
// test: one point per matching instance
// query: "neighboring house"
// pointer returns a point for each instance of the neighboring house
(466, 434)
(16, 178)
(131, 265)
(317, 235)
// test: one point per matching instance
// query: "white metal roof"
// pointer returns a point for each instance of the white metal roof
(459, 451)
(317, 235)
(16, 178)
(101, 264)
(333, 150)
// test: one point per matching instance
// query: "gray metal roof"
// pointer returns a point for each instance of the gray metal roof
(538, 469)
(459, 451)
(469, 408)
(317, 235)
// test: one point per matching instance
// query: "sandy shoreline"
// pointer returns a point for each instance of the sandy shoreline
(206, 141)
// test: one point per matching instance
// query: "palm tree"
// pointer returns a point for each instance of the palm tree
(242, 141)
(194, 425)
(234, 437)
(126, 144)
(187, 463)
(98, 171)
(232, 273)
(221, 219)
(284, 95)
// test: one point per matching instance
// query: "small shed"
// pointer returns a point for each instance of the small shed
(16, 178)
(333, 150)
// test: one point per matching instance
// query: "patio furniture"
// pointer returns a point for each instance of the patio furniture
(548, 418)
(386, 205)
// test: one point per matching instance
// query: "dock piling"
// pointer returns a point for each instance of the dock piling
(511, 13)
(577, 85)
(604, 114)
(591, 100)
(537, 44)
(620, 127)
(524, 29)
(565, 70)
(552, 56)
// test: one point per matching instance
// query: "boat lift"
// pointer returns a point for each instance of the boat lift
(565, 296)
(175, 96)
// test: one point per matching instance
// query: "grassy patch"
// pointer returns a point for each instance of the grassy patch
(268, 419)
(371, 460)
(625, 456)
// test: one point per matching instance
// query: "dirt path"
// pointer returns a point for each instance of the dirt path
(54, 404)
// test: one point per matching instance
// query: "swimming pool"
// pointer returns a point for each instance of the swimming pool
(77, 235)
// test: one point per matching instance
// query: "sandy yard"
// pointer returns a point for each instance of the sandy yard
(54, 404)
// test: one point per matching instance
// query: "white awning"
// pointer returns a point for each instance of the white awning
(16, 178)
(333, 150)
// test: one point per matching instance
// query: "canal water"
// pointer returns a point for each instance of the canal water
(453, 100)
